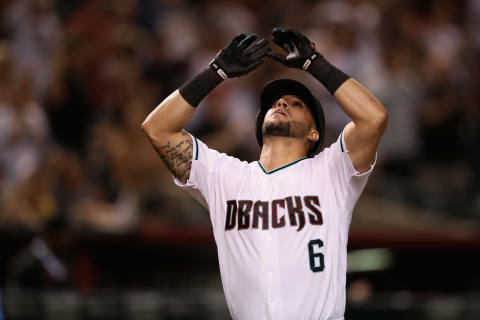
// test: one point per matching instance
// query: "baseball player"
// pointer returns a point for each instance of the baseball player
(280, 223)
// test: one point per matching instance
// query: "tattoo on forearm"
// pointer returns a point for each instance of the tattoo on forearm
(178, 156)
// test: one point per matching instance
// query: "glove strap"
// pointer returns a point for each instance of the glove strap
(328, 75)
(309, 61)
(197, 88)
(218, 71)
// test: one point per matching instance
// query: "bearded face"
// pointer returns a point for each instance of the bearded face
(288, 117)
(285, 128)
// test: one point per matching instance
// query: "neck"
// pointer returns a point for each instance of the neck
(279, 151)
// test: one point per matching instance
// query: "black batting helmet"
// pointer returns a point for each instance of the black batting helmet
(274, 90)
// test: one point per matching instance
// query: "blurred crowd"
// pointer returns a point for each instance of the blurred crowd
(78, 77)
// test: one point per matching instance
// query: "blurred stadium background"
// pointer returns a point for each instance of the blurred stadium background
(91, 225)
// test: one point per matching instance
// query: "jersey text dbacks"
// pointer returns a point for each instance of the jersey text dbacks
(293, 211)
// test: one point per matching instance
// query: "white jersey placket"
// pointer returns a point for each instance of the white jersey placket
(270, 260)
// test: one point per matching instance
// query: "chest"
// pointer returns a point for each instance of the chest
(290, 201)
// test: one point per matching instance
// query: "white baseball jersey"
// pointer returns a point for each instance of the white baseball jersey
(282, 234)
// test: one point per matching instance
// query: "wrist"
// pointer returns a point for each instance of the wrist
(310, 61)
(328, 75)
(197, 88)
(217, 69)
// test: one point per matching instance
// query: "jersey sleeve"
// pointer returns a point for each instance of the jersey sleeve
(200, 182)
(347, 183)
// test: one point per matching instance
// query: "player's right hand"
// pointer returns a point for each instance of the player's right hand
(240, 57)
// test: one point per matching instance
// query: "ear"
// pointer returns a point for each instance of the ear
(313, 136)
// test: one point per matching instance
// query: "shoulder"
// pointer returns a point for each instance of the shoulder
(333, 151)
(227, 162)
(326, 154)
(215, 160)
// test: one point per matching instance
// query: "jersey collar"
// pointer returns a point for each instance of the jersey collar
(279, 168)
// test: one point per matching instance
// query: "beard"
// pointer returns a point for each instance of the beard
(290, 129)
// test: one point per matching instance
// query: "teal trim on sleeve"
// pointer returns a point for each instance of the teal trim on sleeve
(341, 142)
(196, 147)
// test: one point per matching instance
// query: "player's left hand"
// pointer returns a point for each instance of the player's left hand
(301, 52)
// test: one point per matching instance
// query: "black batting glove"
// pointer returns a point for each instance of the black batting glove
(240, 57)
(300, 50)
(301, 54)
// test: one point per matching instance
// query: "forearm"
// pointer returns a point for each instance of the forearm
(369, 117)
(169, 117)
(174, 113)
(164, 128)
(369, 120)
(354, 99)
(361, 105)
(164, 125)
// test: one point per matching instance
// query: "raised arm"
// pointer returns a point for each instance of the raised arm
(369, 117)
(369, 120)
(164, 128)
(164, 125)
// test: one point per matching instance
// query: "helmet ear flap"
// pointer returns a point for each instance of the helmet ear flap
(258, 127)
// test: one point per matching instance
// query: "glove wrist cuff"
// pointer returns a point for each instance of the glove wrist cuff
(197, 88)
(310, 61)
(218, 70)
(328, 75)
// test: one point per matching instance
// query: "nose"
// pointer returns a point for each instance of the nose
(281, 103)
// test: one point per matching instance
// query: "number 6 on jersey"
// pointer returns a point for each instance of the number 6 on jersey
(316, 258)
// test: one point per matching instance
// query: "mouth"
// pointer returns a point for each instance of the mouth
(281, 112)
